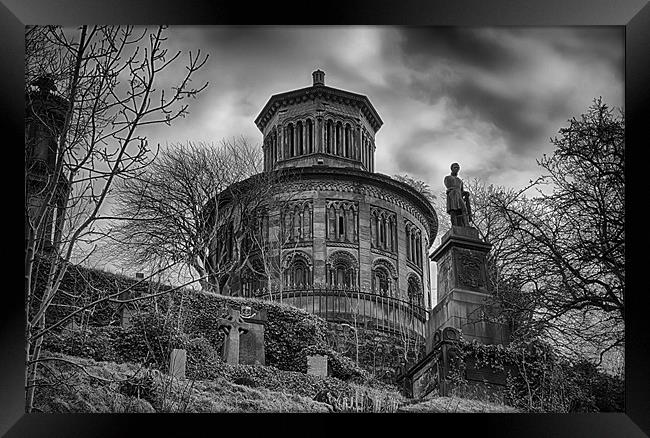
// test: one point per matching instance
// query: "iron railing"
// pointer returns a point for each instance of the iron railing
(363, 308)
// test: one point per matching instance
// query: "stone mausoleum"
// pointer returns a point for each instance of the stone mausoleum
(352, 244)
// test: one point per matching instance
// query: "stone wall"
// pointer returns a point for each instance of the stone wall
(320, 249)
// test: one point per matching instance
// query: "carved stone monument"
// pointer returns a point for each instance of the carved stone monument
(432, 373)
(464, 302)
(251, 347)
(463, 297)
(233, 326)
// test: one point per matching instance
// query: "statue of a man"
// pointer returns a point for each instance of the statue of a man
(458, 205)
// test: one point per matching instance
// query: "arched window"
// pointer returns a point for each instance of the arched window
(300, 133)
(297, 275)
(310, 136)
(306, 221)
(329, 137)
(415, 291)
(381, 281)
(341, 270)
(348, 141)
(339, 139)
(290, 140)
(297, 226)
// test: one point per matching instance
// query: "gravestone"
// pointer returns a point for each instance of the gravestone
(177, 362)
(251, 346)
(233, 326)
(317, 365)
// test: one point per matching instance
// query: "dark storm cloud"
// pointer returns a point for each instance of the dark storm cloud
(520, 124)
(587, 45)
(522, 81)
(467, 46)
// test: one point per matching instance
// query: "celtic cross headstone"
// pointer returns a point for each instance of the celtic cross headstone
(233, 326)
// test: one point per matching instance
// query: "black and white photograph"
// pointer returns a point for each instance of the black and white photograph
(344, 219)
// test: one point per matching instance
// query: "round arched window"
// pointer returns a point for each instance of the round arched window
(382, 285)
(297, 276)
(414, 291)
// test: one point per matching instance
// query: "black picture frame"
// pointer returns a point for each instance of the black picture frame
(634, 15)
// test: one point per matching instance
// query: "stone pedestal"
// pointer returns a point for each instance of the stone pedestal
(463, 299)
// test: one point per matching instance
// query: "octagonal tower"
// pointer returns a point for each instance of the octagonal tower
(319, 125)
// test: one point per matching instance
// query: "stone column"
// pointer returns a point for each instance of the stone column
(365, 257)
(319, 249)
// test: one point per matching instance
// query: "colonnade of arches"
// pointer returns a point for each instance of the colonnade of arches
(297, 221)
(342, 221)
(340, 138)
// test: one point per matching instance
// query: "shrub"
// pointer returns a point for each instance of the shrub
(202, 359)
(97, 343)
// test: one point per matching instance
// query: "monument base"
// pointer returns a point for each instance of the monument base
(464, 301)
(471, 313)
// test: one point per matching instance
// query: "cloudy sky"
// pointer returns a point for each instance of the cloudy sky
(488, 98)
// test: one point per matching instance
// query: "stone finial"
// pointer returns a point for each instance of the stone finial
(319, 77)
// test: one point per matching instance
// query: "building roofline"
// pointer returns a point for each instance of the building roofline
(318, 90)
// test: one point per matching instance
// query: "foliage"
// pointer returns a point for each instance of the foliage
(422, 187)
(381, 355)
(541, 380)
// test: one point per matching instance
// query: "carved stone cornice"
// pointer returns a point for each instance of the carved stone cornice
(343, 244)
(318, 92)
(384, 253)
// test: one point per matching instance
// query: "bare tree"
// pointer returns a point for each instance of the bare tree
(88, 91)
(194, 205)
(570, 237)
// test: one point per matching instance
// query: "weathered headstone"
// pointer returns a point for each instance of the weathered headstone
(233, 326)
(251, 347)
(125, 317)
(72, 326)
(317, 365)
(177, 362)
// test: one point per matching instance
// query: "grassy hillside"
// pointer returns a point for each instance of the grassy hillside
(72, 384)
